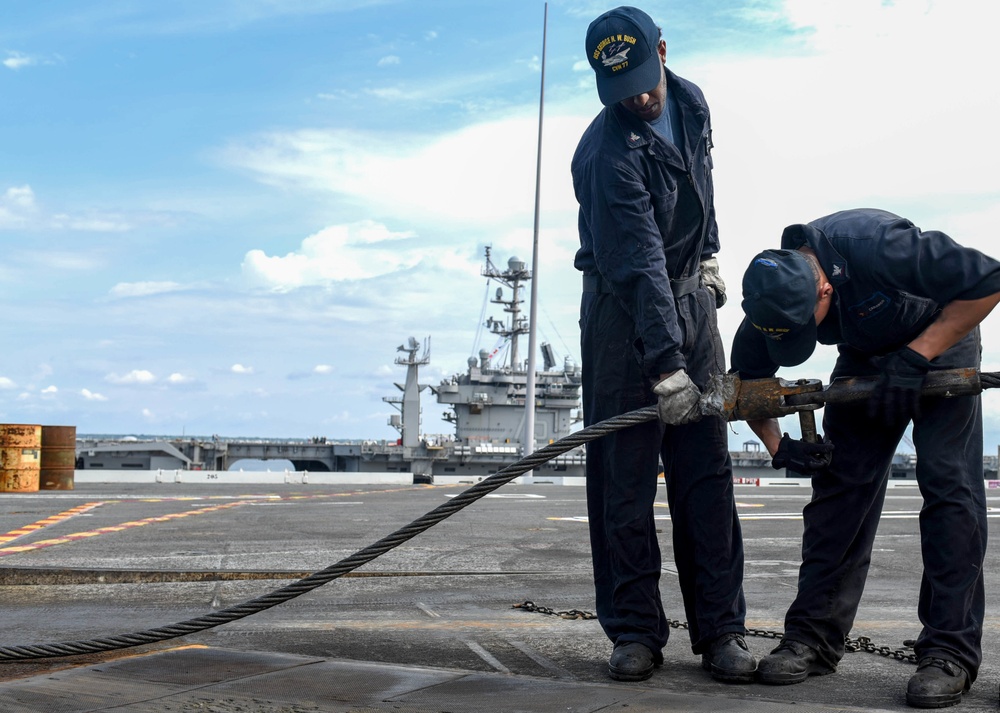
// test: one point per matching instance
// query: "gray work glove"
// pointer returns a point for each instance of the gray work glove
(712, 279)
(678, 399)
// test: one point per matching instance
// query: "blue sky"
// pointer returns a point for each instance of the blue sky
(223, 217)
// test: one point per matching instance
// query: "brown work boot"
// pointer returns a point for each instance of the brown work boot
(728, 659)
(936, 684)
(791, 662)
(631, 661)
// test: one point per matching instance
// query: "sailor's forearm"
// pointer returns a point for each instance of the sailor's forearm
(956, 320)
(768, 431)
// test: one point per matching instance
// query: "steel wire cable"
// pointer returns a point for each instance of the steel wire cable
(362, 556)
(359, 558)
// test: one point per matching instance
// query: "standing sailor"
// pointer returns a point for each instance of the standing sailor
(643, 177)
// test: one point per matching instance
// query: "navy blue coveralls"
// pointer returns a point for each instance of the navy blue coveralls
(890, 280)
(646, 221)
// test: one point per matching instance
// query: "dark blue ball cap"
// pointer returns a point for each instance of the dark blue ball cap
(779, 299)
(621, 47)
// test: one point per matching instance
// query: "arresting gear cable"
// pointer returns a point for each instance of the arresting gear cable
(359, 558)
(369, 553)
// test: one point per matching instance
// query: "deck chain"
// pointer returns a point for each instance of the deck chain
(530, 606)
(861, 643)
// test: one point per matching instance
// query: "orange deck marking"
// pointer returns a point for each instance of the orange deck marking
(257, 499)
(4, 551)
(35, 526)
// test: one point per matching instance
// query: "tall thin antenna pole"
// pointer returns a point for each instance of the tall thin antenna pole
(528, 441)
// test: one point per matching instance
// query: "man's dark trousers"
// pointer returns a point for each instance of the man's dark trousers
(842, 519)
(622, 470)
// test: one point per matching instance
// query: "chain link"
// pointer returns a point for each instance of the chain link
(764, 633)
(862, 643)
(530, 606)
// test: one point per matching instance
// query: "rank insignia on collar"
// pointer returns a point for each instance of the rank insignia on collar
(634, 139)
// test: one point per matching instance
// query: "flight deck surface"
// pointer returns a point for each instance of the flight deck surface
(429, 626)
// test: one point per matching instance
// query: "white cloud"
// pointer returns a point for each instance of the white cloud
(394, 94)
(94, 224)
(318, 370)
(425, 178)
(178, 378)
(850, 27)
(20, 196)
(136, 376)
(17, 60)
(342, 252)
(17, 207)
(143, 289)
(6, 383)
(241, 369)
(62, 260)
(388, 60)
(848, 120)
(845, 120)
(92, 396)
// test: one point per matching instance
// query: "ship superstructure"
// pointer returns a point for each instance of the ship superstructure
(487, 402)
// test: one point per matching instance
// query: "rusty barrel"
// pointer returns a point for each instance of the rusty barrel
(58, 459)
(20, 457)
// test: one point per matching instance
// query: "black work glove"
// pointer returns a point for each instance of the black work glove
(896, 398)
(802, 456)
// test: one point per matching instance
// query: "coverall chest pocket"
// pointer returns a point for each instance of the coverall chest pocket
(663, 196)
(887, 319)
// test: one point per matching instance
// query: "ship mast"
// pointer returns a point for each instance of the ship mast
(512, 277)
(409, 403)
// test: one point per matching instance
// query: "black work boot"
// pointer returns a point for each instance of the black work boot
(936, 684)
(631, 661)
(791, 662)
(728, 659)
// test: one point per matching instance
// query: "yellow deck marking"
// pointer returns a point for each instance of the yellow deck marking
(256, 499)
(4, 551)
(53, 519)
